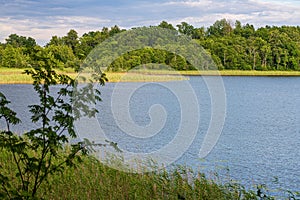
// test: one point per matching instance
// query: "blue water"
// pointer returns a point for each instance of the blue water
(260, 139)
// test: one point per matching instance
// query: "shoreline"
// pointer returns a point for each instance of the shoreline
(15, 76)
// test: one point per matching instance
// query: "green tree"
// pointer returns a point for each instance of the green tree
(220, 28)
(232, 47)
(42, 152)
(247, 31)
(87, 42)
(146, 55)
(13, 57)
(64, 55)
(114, 30)
(71, 39)
(55, 40)
(165, 24)
(237, 28)
(198, 33)
(25, 43)
(265, 52)
(254, 47)
(20, 41)
(178, 62)
(185, 28)
(105, 33)
(1, 54)
(159, 56)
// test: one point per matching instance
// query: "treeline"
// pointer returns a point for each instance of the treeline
(233, 46)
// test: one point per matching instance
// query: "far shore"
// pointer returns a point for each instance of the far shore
(15, 76)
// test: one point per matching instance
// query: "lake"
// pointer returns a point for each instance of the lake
(260, 139)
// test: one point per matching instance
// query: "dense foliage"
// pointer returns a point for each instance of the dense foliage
(231, 45)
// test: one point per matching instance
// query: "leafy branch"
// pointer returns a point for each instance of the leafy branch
(41, 152)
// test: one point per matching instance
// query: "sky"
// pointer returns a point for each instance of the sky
(43, 19)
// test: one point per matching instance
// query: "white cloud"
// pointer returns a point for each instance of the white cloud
(42, 20)
(43, 29)
(259, 13)
(190, 3)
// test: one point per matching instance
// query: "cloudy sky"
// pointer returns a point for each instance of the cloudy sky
(43, 19)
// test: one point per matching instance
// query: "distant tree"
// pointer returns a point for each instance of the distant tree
(198, 33)
(185, 28)
(220, 28)
(1, 53)
(254, 45)
(71, 39)
(14, 57)
(64, 55)
(247, 31)
(278, 43)
(238, 46)
(159, 56)
(87, 42)
(55, 40)
(178, 62)
(264, 53)
(146, 55)
(25, 43)
(20, 41)
(261, 32)
(105, 32)
(237, 28)
(114, 30)
(165, 24)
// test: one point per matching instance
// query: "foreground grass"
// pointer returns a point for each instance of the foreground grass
(15, 76)
(91, 179)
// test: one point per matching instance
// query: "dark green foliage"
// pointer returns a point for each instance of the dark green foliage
(20, 41)
(220, 28)
(165, 24)
(185, 28)
(145, 56)
(64, 55)
(14, 57)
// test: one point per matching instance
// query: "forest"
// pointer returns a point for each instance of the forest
(232, 46)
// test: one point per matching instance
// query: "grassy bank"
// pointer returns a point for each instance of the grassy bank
(252, 73)
(222, 73)
(91, 179)
(15, 76)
